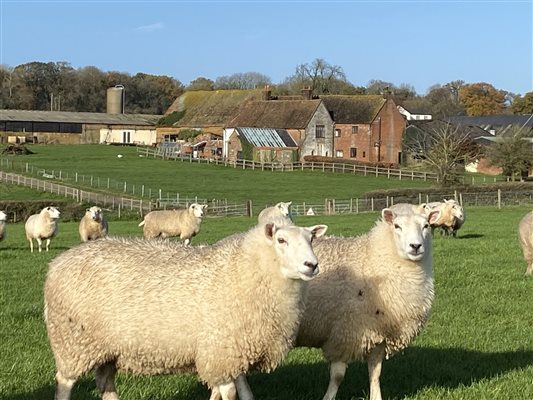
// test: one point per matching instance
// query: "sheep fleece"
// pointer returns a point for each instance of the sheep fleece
(154, 307)
(365, 294)
(172, 223)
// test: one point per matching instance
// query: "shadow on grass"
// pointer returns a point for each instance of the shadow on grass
(404, 375)
(470, 236)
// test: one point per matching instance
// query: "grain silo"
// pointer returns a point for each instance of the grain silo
(115, 99)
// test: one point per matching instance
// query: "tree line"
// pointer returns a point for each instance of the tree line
(57, 86)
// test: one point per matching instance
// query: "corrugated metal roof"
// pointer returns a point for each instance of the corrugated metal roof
(267, 137)
(78, 117)
(487, 121)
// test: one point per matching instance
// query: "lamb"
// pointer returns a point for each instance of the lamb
(372, 297)
(525, 232)
(93, 225)
(154, 307)
(42, 226)
(3, 219)
(275, 213)
(167, 223)
(452, 216)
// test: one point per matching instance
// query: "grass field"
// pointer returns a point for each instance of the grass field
(478, 343)
(201, 180)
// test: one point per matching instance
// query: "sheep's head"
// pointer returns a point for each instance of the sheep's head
(53, 212)
(3, 216)
(292, 245)
(284, 208)
(95, 213)
(197, 209)
(412, 232)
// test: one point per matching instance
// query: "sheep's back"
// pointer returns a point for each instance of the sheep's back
(525, 232)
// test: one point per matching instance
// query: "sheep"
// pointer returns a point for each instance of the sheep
(3, 219)
(167, 223)
(402, 208)
(525, 232)
(42, 226)
(451, 219)
(154, 307)
(280, 210)
(372, 297)
(93, 225)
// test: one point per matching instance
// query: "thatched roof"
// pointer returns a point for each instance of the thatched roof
(360, 109)
(77, 117)
(283, 114)
(210, 107)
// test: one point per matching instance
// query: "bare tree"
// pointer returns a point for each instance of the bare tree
(444, 149)
(246, 80)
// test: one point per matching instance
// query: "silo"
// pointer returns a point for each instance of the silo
(115, 99)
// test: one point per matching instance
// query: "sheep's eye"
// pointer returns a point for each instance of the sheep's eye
(396, 226)
(426, 226)
(281, 241)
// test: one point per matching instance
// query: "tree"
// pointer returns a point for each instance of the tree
(482, 99)
(444, 100)
(242, 81)
(201, 83)
(320, 76)
(444, 149)
(513, 152)
(523, 105)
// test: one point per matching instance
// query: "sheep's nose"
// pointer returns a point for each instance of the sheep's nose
(415, 246)
(312, 265)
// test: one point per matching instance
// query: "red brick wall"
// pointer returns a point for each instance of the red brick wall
(348, 140)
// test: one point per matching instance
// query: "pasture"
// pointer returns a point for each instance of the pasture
(478, 343)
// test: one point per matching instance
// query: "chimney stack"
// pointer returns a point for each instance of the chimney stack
(307, 93)
(266, 93)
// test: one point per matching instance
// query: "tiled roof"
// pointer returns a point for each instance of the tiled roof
(267, 137)
(78, 117)
(360, 109)
(288, 114)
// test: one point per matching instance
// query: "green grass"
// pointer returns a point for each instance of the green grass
(201, 180)
(478, 343)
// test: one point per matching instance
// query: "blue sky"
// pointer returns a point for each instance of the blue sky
(420, 43)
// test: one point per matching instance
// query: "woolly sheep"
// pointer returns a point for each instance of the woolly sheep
(525, 232)
(372, 297)
(403, 208)
(42, 226)
(280, 210)
(3, 219)
(154, 307)
(93, 225)
(452, 216)
(184, 223)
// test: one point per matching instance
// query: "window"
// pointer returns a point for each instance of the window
(126, 137)
(364, 154)
(337, 133)
(353, 152)
(320, 131)
(339, 153)
(355, 129)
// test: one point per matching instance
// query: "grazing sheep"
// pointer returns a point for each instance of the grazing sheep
(525, 232)
(404, 208)
(372, 297)
(451, 219)
(3, 219)
(281, 210)
(93, 225)
(154, 307)
(167, 223)
(42, 226)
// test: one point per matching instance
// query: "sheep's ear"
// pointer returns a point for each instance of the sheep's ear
(318, 230)
(270, 229)
(433, 216)
(289, 203)
(388, 215)
(204, 206)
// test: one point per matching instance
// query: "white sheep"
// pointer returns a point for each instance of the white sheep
(372, 297)
(451, 219)
(184, 223)
(525, 233)
(3, 219)
(274, 213)
(155, 307)
(403, 208)
(93, 225)
(42, 226)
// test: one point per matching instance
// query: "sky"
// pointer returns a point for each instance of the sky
(418, 43)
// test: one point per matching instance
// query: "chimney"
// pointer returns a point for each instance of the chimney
(265, 95)
(307, 93)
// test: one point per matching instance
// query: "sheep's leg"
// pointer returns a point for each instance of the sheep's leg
(105, 381)
(529, 270)
(337, 369)
(243, 389)
(215, 394)
(375, 361)
(40, 243)
(187, 241)
(31, 245)
(63, 387)
(47, 244)
(228, 391)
